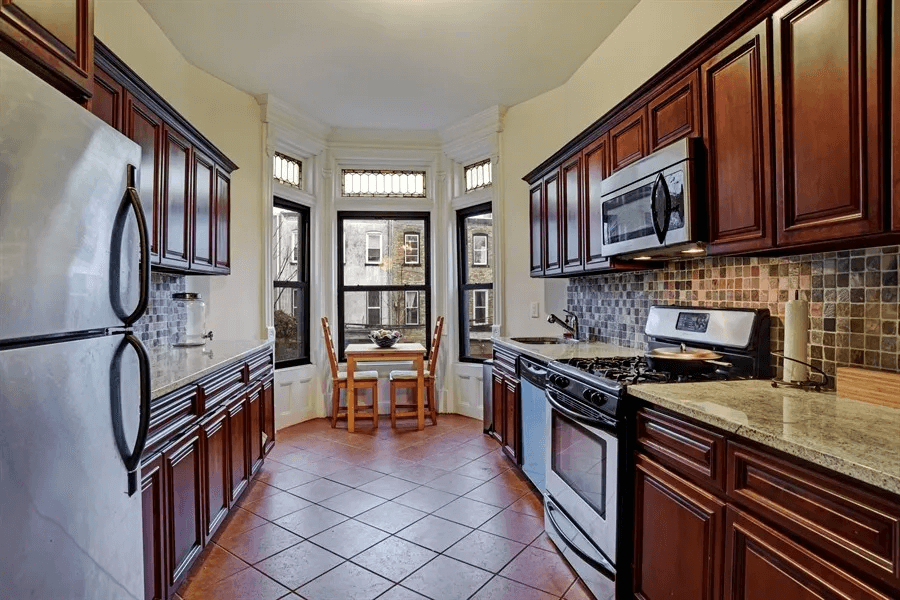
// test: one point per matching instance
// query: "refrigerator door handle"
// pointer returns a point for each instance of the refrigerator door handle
(130, 201)
(131, 457)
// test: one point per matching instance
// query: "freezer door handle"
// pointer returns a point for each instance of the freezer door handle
(131, 457)
(131, 201)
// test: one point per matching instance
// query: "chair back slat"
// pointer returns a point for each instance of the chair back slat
(329, 345)
(436, 344)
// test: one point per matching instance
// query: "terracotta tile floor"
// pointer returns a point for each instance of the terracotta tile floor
(389, 514)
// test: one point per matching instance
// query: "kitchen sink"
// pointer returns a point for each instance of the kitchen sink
(542, 340)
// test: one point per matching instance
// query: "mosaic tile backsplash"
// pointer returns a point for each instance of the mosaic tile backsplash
(164, 320)
(853, 298)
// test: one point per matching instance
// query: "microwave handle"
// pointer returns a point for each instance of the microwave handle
(661, 230)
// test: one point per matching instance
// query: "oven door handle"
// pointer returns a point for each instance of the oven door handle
(608, 425)
(598, 562)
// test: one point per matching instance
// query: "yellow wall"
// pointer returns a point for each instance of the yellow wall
(536, 128)
(230, 118)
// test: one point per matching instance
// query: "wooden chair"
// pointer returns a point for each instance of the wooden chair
(361, 380)
(408, 380)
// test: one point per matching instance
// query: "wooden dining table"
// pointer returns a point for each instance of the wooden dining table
(407, 352)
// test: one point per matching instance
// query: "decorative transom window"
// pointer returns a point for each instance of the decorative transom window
(412, 308)
(411, 248)
(373, 248)
(403, 184)
(478, 175)
(479, 250)
(288, 171)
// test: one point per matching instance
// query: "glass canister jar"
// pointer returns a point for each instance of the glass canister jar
(195, 333)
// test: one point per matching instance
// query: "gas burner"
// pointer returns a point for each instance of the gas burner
(629, 370)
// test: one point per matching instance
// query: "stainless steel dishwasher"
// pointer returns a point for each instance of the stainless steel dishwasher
(532, 376)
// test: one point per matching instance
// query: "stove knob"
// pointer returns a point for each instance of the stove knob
(594, 397)
(559, 381)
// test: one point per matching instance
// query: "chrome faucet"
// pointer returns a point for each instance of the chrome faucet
(570, 323)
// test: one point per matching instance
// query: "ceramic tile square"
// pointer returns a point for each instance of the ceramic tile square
(260, 543)
(468, 512)
(394, 558)
(349, 538)
(352, 503)
(425, 499)
(500, 588)
(311, 520)
(299, 564)
(485, 550)
(347, 581)
(434, 533)
(389, 487)
(447, 579)
(391, 517)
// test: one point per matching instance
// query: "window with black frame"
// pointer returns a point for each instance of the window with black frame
(384, 281)
(290, 277)
(475, 241)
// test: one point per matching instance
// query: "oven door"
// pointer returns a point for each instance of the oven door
(582, 471)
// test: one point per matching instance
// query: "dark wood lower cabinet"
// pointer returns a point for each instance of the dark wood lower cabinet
(497, 387)
(216, 472)
(254, 416)
(678, 537)
(183, 465)
(512, 425)
(153, 509)
(268, 419)
(763, 564)
(239, 447)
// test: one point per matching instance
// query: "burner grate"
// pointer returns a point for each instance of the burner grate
(634, 369)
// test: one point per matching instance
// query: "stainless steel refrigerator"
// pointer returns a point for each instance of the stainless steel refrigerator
(74, 381)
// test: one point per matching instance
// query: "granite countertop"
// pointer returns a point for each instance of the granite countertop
(172, 368)
(854, 438)
(549, 352)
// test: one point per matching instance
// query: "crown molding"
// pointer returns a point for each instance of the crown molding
(474, 137)
(294, 132)
(387, 139)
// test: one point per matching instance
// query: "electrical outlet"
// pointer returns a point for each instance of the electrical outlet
(535, 310)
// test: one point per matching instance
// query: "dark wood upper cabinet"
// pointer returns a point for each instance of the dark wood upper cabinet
(572, 216)
(675, 113)
(175, 222)
(55, 40)
(223, 221)
(216, 475)
(536, 220)
(895, 120)
(552, 226)
(594, 161)
(628, 140)
(737, 132)
(108, 101)
(145, 128)
(153, 511)
(678, 537)
(184, 504)
(203, 213)
(829, 82)
(762, 564)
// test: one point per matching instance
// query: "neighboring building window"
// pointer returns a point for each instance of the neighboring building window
(373, 248)
(478, 175)
(411, 248)
(479, 306)
(412, 308)
(383, 184)
(393, 294)
(476, 286)
(288, 171)
(290, 280)
(480, 250)
(373, 309)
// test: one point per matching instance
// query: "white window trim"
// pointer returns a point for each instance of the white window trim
(414, 305)
(370, 235)
(475, 251)
(406, 248)
(476, 306)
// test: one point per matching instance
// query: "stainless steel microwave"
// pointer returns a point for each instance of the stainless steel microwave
(648, 207)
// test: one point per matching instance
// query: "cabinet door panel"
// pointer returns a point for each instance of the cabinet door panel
(536, 217)
(737, 127)
(216, 471)
(154, 529)
(628, 140)
(594, 163)
(895, 109)
(176, 198)
(146, 129)
(572, 217)
(497, 397)
(828, 131)
(108, 101)
(223, 221)
(762, 564)
(678, 537)
(268, 408)
(552, 226)
(675, 113)
(184, 504)
(239, 447)
(203, 213)
(511, 426)
(254, 416)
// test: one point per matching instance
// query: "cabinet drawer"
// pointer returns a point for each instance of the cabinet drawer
(221, 386)
(260, 366)
(689, 449)
(859, 527)
(505, 361)
(169, 415)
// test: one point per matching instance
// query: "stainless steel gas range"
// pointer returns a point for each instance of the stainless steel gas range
(589, 492)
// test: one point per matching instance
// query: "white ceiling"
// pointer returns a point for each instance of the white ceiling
(390, 64)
